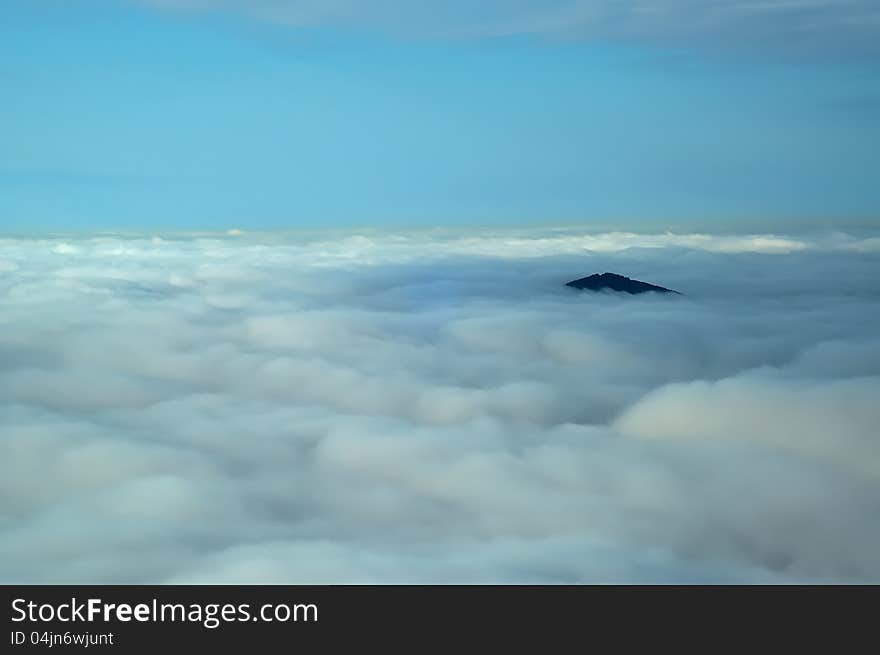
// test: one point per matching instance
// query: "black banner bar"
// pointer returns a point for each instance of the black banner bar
(198, 618)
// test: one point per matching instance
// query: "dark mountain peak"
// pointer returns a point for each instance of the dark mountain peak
(615, 282)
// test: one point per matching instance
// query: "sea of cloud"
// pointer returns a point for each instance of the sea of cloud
(436, 406)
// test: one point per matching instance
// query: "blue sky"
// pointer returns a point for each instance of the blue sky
(197, 114)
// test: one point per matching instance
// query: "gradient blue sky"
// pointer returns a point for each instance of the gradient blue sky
(197, 114)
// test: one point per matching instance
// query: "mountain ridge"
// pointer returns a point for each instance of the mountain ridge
(616, 282)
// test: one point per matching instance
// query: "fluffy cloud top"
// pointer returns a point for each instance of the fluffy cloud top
(807, 23)
(437, 407)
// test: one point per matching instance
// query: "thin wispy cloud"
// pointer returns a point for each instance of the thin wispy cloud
(843, 24)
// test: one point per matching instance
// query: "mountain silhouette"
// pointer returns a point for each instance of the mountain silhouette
(615, 282)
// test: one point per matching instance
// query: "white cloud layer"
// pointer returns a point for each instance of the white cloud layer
(436, 406)
(798, 23)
